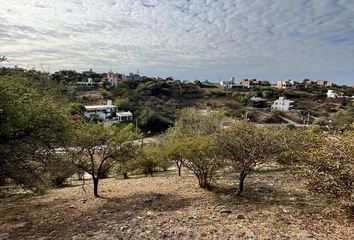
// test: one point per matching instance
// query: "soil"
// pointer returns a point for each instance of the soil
(274, 205)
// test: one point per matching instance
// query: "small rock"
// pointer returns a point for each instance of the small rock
(124, 228)
(286, 211)
(309, 235)
(225, 210)
(149, 213)
(147, 200)
(240, 216)
(72, 206)
(252, 236)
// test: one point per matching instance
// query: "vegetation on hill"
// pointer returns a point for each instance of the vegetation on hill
(41, 146)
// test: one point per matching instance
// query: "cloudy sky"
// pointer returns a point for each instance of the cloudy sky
(186, 39)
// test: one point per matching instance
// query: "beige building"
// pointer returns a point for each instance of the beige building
(285, 84)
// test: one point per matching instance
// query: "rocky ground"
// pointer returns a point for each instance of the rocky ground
(274, 206)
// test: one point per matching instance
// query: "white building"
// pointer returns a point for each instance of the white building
(324, 83)
(89, 83)
(108, 112)
(283, 104)
(230, 84)
(124, 116)
(131, 77)
(332, 94)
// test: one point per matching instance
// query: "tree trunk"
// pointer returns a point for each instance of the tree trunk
(203, 181)
(95, 185)
(179, 166)
(241, 182)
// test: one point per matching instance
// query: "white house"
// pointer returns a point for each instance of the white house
(332, 94)
(89, 83)
(108, 112)
(324, 83)
(124, 116)
(282, 104)
(230, 84)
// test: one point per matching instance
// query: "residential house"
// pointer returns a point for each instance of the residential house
(230, 84)
(131, 77)
(308, 82)
(108, 112)
(89, 72)
(324, 83)
(283, 104)
(335, 98)
(257, 102)
(88, 83)
(113, 79)
(250, 83)
(287, 84)
(226, 84)
(332, 94)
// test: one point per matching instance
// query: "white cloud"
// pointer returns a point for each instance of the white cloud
(185, 38)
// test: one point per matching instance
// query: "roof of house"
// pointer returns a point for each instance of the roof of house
(284, 100)
(257, 99)
(124, 114)
(99, 107)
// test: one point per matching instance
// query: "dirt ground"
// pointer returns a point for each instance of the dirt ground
(273, 206)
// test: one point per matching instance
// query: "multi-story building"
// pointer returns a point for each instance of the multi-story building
(250, 83)
(113, 78)
(283, 104)
(287, 84)
(324, 83)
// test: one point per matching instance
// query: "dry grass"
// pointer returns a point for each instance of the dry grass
(275, 206)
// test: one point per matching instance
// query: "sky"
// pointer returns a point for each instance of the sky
(185, 39)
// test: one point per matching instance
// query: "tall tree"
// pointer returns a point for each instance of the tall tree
(32, 124)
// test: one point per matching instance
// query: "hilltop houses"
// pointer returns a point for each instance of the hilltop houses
(335, 98)
(287, 84)
(230, 84)
(108, 112)
(283, 104)
(114, 78)
(250, 83)
(323, 83)
(131, 77)
(246, 83)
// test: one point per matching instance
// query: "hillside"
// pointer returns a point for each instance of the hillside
(155, 102)
(274, 206)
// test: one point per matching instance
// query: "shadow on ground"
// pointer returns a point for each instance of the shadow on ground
(114, 212)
